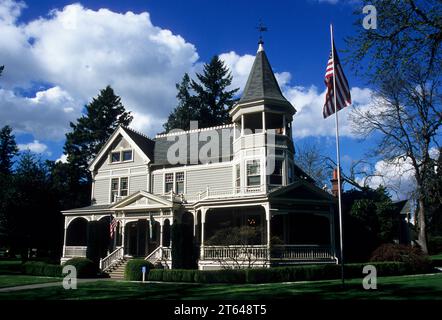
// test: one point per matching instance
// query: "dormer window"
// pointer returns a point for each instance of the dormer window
(127, 155)
(121, 156)
(115, 157)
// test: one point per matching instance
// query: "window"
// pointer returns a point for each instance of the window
(119, 188)
(290, 173)
(115, 157)
(253, 173)
(120, 156)
(123, 187)
(114, 189)
(168, 180)
(276, 176)
(127, 155)
(179, 178)
(238, 177)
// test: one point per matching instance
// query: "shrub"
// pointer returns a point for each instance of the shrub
(412, 256)
(133, 270)
(85, 267)
(37, 268)
(221, 276)
(435, 245)
(156, 275)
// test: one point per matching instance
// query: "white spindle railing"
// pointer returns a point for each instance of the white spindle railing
(112, 258)
(75, 251)
(234, 252)
(302, 252)
(160, 253)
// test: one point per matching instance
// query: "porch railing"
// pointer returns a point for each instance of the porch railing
(159, 254)
(258, 252)
(111, 259)
(303, 252)
(75, 251)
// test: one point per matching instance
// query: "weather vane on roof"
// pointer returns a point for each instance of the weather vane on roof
(261, 28)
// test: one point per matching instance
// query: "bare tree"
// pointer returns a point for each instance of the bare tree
(309, 158)
(406, 114)
(402, 61)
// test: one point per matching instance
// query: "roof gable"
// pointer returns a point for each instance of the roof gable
(142, 145)
(142, 200)
(301, 190)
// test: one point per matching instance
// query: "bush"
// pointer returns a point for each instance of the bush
(36, 268)
(412, 256)
(85, 267)
(156, 275)
(221, 276)
(133, 270)
(435, 245)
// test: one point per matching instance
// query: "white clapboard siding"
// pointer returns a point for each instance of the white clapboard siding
(157, 183)
(214, 178)
(101, 191)
(137, 183)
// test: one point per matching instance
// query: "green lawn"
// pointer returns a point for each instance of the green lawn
(20, 280)
(437, 256)
(394, 288)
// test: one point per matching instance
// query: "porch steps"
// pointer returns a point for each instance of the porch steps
(117, 270)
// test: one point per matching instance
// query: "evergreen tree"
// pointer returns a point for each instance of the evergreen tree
(210, 102)
(186, 110)
(90, 133)
(8, 150)
(214, 99)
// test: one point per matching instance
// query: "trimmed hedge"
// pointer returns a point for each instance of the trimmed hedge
(282, 274)
(36, 268)
(133, 269)
(85, 267)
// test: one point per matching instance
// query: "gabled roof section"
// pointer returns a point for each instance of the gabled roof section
(141, 143)
(302, 190)
(142, 200)
(262, 84)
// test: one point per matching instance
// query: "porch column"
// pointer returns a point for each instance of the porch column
(242, 125)
(283, 124)
(64, 237)
(263, 121)
(268, 217)
(203, 221)
(123, 234)
(161, 232)
(171, 224)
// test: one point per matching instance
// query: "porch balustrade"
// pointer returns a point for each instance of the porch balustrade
(257, 252)
(303, 252)
(111, 259)
(75, 251)
(260, 252)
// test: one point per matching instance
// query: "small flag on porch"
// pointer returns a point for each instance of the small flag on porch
(113, 226)
(343, 98)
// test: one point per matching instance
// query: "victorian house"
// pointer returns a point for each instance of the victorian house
(246, 177)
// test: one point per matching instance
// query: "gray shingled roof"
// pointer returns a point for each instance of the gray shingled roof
(225, 151)
(144, 143)
(261, 83)
(90, 208)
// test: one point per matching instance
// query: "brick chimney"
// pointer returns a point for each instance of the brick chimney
(334, 182)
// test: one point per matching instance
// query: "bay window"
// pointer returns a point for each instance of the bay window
(253, 173)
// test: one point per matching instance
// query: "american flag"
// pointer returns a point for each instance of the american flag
(113, 226)
(343, 98)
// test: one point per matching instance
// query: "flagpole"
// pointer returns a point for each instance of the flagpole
(338, 156)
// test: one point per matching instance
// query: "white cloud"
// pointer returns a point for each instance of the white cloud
(63, 158)
(46, 115)
(80, 51)
(34, 146)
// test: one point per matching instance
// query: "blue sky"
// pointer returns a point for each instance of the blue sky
(58, 54)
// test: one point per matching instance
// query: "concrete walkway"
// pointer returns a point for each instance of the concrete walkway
(47, 284)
